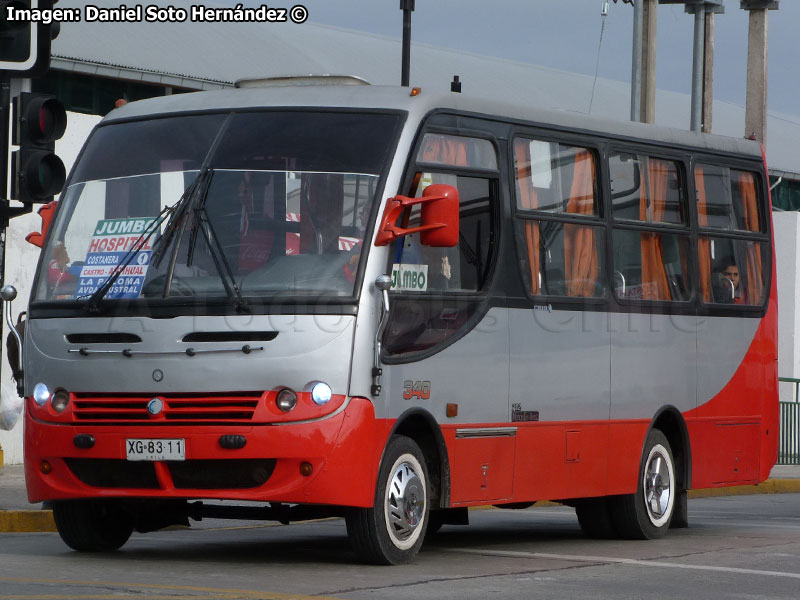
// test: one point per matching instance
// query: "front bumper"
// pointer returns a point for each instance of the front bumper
(344, 450)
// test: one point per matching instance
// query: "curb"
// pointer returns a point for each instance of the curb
(770, 486)
(26, 521)
(40, 521)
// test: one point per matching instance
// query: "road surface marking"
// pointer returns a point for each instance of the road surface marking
(621, 561)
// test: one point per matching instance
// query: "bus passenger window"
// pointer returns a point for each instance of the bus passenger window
(727, 199)
(735, 271)
(732, 271)
(646, 189)
(559, 256)
(651, 266)
(562, 259)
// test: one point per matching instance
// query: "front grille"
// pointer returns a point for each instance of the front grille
(220, 474)
(194, 408)
(114, 473)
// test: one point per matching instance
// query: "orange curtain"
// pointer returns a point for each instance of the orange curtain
(703, 243)
(747, 189)
(528, 200)
(581, 265)
(652, 208)
(445, 150)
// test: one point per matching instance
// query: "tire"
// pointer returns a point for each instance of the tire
(92, 525)
(594, 517)
(392, 530)
(647, 514)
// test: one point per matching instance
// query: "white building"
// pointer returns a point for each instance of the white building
(94, 64)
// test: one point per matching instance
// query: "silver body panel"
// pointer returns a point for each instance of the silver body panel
(472, 372)
(560, 364)
(653, 364)
(306, 348)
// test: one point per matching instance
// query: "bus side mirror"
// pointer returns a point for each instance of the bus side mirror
(439, 216)
(46, 212)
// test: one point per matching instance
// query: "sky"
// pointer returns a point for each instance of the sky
(565, 34)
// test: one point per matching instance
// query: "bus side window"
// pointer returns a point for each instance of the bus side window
(732, 271)
(560, 256)
(649, 264)
(735, 271)
(463, 268)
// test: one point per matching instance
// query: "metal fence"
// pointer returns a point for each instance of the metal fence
(789, 449)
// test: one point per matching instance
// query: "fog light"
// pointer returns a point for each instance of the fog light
(286, 400)
(306, 469)
(45, 467)
(321, 393)
(41, 394)
(60, 400)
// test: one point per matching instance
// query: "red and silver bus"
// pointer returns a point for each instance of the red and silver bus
(393, 305)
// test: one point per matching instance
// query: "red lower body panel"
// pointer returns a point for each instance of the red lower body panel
(344, 451)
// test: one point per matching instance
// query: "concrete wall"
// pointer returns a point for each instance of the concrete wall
(21, 260)
(787, 243)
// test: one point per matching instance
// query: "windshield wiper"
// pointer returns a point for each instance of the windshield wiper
(93, 303)
(216, 250)
(177, 219)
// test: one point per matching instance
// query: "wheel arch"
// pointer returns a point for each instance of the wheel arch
(421, 426)
(671, 423)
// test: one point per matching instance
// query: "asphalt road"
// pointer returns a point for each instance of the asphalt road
(736, 547)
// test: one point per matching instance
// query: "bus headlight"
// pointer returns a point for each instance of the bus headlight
(286, 400)
(60, 400)
(41, 394)
(321, 393)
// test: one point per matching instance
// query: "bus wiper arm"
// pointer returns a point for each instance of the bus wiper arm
(218, 255)
(179, 210)
(93, 303)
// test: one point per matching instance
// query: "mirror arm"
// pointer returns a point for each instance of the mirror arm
(8, 294)
(389, 231)
(382, 284)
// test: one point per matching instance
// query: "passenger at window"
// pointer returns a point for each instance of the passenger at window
(728, 289)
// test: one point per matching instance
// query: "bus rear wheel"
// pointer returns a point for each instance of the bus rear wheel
(647, 513)
(392, 530)
(92, 525)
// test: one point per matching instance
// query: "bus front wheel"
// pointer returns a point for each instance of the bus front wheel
(92, 525)
(647, 513)
(392, 530)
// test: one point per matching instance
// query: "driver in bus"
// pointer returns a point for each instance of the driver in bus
(57, 272)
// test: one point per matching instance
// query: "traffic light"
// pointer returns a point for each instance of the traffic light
(39, 120)
(24, 44)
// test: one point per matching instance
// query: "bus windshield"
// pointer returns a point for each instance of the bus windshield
(280, 209)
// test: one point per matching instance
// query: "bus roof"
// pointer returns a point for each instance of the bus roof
(399, 98)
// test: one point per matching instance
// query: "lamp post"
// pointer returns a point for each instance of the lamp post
(407, 6)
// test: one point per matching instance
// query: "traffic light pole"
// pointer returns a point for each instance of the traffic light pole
(5, 111)
(6, 211)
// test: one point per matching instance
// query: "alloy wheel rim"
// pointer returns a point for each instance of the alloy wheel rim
(405, 504)
(658, 483)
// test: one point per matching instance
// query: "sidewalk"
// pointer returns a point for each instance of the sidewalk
(17, 515)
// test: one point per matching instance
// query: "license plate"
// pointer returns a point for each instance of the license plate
(147, 449)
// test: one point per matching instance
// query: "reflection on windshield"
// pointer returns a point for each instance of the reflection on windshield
(278, 231)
